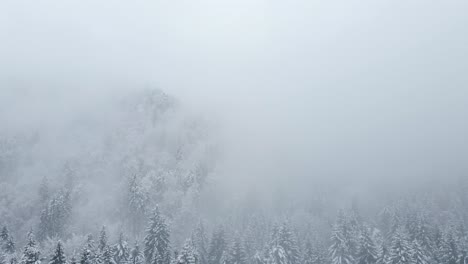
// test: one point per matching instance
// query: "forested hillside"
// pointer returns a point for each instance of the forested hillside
(139, 186)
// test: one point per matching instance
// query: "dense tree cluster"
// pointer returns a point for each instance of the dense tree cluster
(412, 235)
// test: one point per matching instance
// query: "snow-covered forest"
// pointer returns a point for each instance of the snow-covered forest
(233, 132)
(139, 193)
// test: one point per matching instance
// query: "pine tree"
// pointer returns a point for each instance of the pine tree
(187, 255)
(4, 234)
(419, 253)
(106, 256)
(200, 242)
(59, 255)
(286, 241)
(136, 256)
(157, 249)
(236, 253)
(55, 216)
(31, 252)
(86, 257)
(308, 257)
(368, 253)
(121, 250)
(102, 239)
(449, 253)
(217, 247)
(341, 249)
(92, 254)
(400, 250)
(137, 203)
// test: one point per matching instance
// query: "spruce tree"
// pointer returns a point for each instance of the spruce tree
(217, 246)
(136, 256)
(368, 253)
(200, 243)
(188, 254)
(449, 252)
(106, 256)
(31, 252)
(400, 250)
(86, 257)
(308, 257)
(236, 253)
(121, 250)
(4, 234)
(419, 253)
(157, 249)
(59, 255)
(102, 239)
(341, 251)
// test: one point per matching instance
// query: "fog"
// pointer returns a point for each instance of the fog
(284, 99)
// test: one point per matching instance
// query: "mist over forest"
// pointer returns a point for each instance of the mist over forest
(233, 132)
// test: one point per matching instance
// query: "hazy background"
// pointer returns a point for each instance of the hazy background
(356, 92)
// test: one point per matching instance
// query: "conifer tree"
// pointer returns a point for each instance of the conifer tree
(341, 251)
(106, 256)
(400, 250)
(419, 253)
(187, 255)
(86, 257)
(59, 255)
(200, 243)
(136, 256)
(10, 245)
(31, 252)
(217, 246)
(4, 234)
(368, 253)
(121, 250)
(157, 249)
(449, 252)
(236, 253)
(102, 239)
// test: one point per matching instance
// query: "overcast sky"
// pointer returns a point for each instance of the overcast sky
(302, 88)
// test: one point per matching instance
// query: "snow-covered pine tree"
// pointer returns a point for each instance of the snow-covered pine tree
(55, 216)
(400, 250)
(382, 254)
(200, 242)
(320, 253)
(188, 254)
(137, 204)
(136, 256)
(92, 253)
(31, 252)
(217, 246)
(157, 249)
(121, 250)
(86, 257)
(236, 253)
(367, 252)
(106, 256)
(4, 234)
(449, 252)
(340, 250)
(102, 239)
(10, 245)
(308, 256)
(419, 253)
(59, 255)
